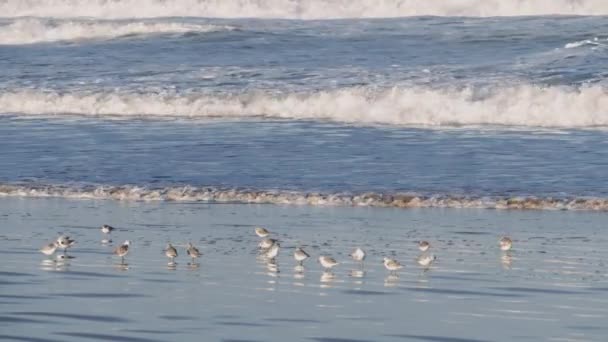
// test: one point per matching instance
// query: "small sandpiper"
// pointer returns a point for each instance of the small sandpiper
(266, 243)
(192, 251)
(327, 262)
(300, 255)
(424, 246)
(426, 260)
(170, 252)
(505, 243)
(273, 251)
(262, 232)
(49, 249)
(122, 250)
(107, 229)
(358, 255)
(392, 265)
(64, 242)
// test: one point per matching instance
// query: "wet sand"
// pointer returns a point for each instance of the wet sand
(553, 286)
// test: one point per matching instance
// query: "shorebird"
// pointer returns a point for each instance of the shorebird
(358, 255)
(424, 246)
(261, 232)
(300, 255)
(266, 243)
(193, 252)
(122, 250)
(273, 251)
(327, 262)
(426, 260)
(392, 265)
(505, 243)
(170, 252)
(64, 242)
(107, 229)
(49, 249)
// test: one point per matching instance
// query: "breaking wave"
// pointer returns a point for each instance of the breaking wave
(297, 9)
(595, 42)
(31, 30)
(247, 196)
(524, 105)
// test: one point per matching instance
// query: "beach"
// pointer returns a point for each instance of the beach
(335, 125)
(552, 285)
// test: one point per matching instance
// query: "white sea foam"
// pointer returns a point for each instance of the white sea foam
(592, 42)
(216, 195)
(524, 105)
(302, 9)
(32, 30)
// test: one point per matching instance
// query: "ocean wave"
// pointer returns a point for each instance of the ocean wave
(32, 30)
(248, 196)
(595, 42)
(524, 105)
(297, 9)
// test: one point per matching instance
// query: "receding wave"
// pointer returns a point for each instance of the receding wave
(248, 196)
(297, 9)
(523, 105)
(32, 30)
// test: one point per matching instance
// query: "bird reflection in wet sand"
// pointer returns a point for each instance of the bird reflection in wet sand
(327, 278)
(47, 265)
(357, 276)
(391, 280)
(507, 261)
(272, 267)
(357, 273)
(62, 262)
(298, 272)
(122, 266)
(193, 266)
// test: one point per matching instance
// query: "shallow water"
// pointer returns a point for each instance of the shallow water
(553, 287)
(303, 156)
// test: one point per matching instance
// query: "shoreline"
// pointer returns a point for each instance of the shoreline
(211, 195)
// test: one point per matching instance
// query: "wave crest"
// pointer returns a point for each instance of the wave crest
(247, 196)
(524, 105)
(29, 31)
(297, 9)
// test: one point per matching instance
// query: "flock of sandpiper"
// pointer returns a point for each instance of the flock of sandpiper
(269, 249)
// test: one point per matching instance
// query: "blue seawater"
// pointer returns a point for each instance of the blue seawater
(484, 104)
